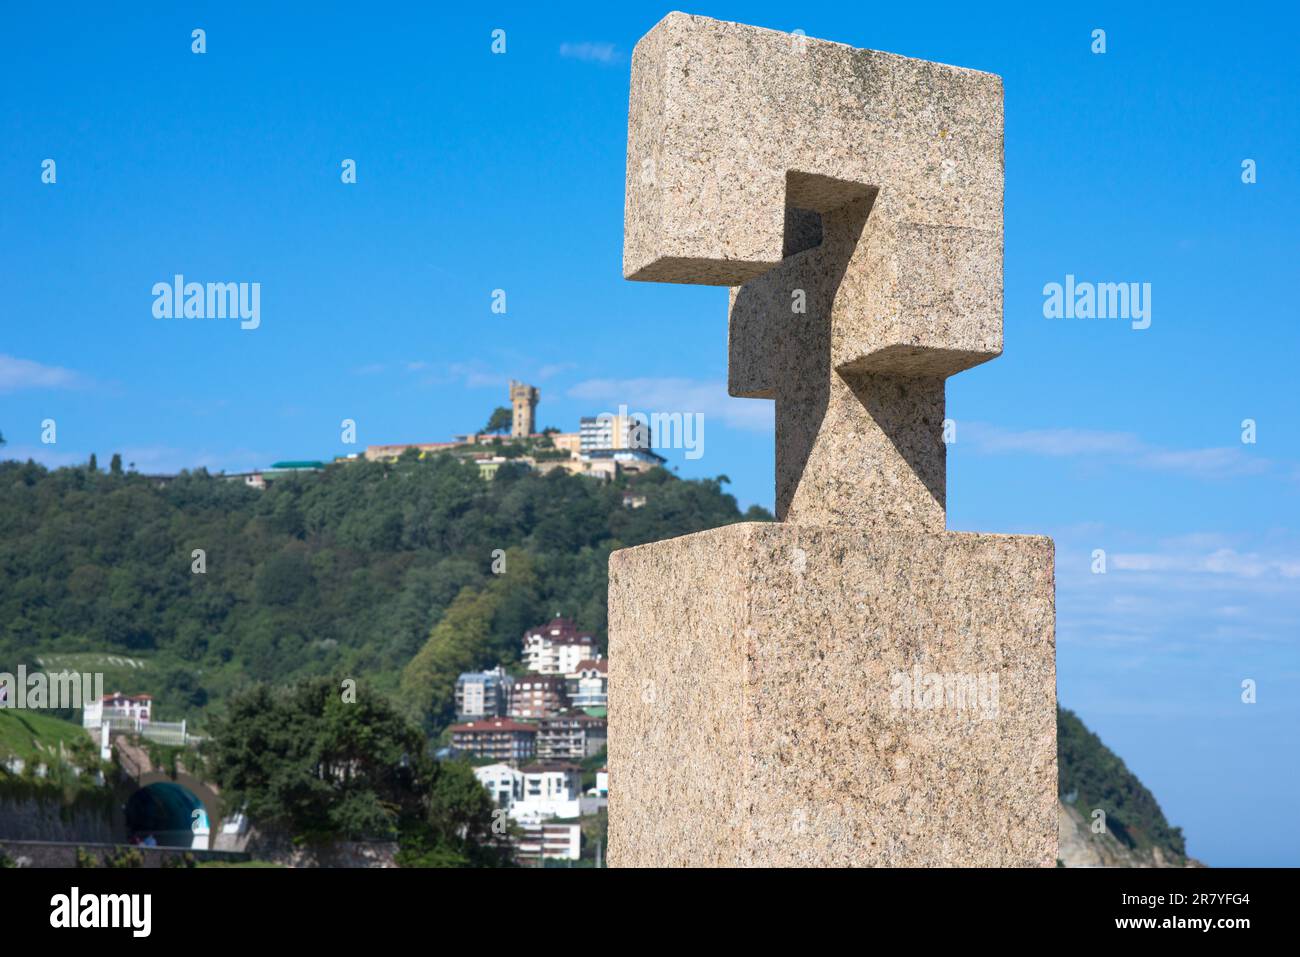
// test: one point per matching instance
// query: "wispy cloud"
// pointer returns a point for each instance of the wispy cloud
(677, 395)
(1121, 448)
(18, 374)
(1221, 561)
(591, 52)
(470, 375)
(1176, 594)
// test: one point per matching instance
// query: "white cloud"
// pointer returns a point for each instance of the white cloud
(1222, 561)
(651, 395)
(1122, 448)
(18, 374)
(1052, 442)
(591, 52)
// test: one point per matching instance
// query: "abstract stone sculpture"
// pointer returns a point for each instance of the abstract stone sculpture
(773, 686)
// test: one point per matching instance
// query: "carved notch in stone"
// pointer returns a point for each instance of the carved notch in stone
(863, 187)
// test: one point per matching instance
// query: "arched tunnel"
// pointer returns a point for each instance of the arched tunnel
(168, 814)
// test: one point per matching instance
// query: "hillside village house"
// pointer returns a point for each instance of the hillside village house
(538, 696)
(571, 736)
(498, 738)
(534, 792)
(483, 694)
(588, 684)
(557, 647)
(119, 711)
(562, 841)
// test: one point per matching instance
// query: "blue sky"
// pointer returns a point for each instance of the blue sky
(479, 171)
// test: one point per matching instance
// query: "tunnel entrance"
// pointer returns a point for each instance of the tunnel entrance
(166, 814)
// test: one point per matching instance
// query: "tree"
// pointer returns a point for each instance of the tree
(115, 464)
(324, 760)
(347, 570)
(94, 463)
(500, 420)
(478, 629)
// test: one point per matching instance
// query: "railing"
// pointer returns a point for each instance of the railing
(165, 732)
(162, 732)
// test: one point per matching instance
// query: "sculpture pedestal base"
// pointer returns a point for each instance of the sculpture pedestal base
(788, 695)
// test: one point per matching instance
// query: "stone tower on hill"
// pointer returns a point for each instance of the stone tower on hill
(523, 403)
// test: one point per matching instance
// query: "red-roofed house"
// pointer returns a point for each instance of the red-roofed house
(498, 738)
(556, 647)
(588, 683)
(119, 711)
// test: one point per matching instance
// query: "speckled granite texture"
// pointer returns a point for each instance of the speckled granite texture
(853, 685)
(756, 714)
(866, 185)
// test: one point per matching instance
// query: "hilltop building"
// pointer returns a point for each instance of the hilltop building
(523, 406)
(604, 446)
(608, 431)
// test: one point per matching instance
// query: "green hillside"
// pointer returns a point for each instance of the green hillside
(33, 736)
(381, 572)
(1093, 776)
(347, 571)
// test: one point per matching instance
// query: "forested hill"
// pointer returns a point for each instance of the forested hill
(1093, 778)
(384, 573)
(346, 571)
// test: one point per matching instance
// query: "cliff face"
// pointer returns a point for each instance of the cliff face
(1079, 847)
(1093, 778)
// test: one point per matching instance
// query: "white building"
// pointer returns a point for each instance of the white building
(557, 647)
(537, 792)
(588, 684)
(602, 783)
(483, 694)
(119, 711)
(549, 790)
(502, 782)
(556, 841)
(609, 431)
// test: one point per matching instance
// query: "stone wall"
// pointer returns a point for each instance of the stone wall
(62, 854)
(34, 817)
(280, 849)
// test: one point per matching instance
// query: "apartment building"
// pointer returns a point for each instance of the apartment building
(556, 647)
(548, 789)
(607, 431)
(556, 841)
(502, 782)
(571, 736)
(535, 792)
(588, 684)
(498, 738)
(538, 696)
(483, 694)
